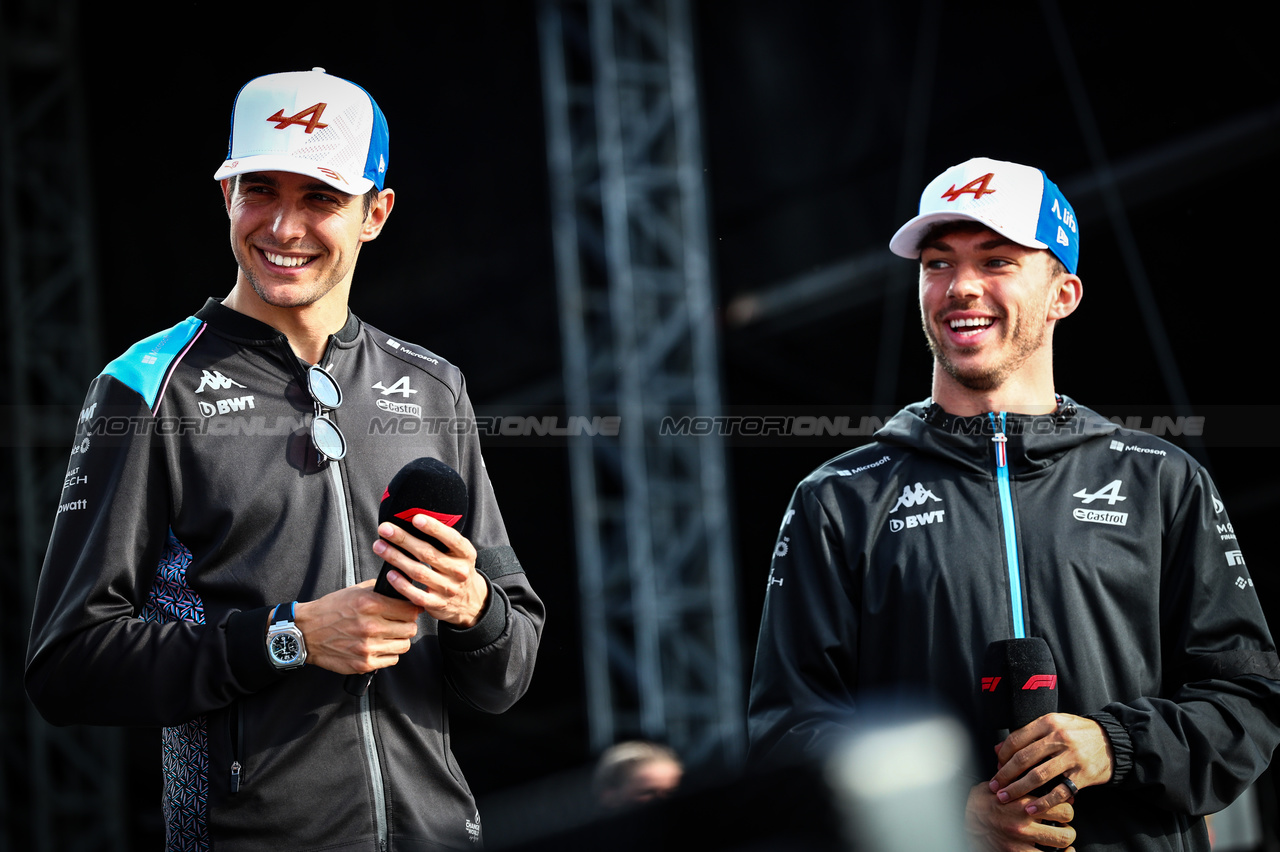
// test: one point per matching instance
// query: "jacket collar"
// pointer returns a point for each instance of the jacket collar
(1033, 441)
(252, 331)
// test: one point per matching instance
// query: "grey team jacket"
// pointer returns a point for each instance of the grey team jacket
(898, 562)
(193, 502)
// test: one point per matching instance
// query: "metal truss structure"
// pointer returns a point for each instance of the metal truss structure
(658, 597)
(69, 794)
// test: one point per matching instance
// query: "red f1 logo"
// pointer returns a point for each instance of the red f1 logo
(447, 520)
(1041, 682)
(989, 684)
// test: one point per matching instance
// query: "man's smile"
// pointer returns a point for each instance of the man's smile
(967, 327)
(285, 260)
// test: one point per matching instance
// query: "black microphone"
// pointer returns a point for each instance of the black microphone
(1019, 685)
(424, 486)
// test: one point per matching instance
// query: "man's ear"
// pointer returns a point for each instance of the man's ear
(378, 213)
(1068, 290)
(227, 185)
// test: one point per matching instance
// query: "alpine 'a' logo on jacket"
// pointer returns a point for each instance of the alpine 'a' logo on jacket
(911, 497)
(1110, 493)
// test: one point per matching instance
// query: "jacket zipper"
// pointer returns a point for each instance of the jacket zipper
(366, 714)
(236, 742)
(1006, 517)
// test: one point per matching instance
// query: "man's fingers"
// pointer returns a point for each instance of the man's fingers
(1034, 779)
(451, 542)
(1027, 764)
(454, 541)
(1062, 793)
(355, 630)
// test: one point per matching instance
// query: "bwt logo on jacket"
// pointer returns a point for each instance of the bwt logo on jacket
(226, 406)
(912, 496)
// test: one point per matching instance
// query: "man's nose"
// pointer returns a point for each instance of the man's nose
(966, 283)
(288, 223)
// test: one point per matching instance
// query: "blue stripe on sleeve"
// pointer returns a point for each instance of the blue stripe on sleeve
(144, 365)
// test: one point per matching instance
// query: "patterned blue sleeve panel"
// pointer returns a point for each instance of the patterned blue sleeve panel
(185, 751)
(147, 364)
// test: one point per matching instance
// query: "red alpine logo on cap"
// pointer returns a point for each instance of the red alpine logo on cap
(314, 111)
(978, 186)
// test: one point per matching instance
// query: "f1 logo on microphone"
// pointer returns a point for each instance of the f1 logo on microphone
(989, 684)
(1041, 682)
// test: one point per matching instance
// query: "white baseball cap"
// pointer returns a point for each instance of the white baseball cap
(308, 123)
(1019, 202)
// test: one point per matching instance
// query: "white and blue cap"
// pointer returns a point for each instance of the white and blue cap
(308, 123)
(1016, 201)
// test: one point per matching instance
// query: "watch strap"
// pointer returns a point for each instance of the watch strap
(274, 619)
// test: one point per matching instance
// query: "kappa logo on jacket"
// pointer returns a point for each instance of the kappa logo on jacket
(912, 496)
(217, 381)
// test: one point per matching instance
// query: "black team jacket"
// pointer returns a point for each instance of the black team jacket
(898, 562)
(194, 502)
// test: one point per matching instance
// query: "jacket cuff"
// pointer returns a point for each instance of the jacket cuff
(1121, 745)
(247, 649)
(487, 629)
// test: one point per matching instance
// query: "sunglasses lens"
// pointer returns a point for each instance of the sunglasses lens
(324, 388)
(328, 439)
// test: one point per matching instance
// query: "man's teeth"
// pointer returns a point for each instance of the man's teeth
(284, 260)
(978, 322)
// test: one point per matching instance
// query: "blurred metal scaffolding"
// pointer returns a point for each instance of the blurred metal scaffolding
(640, 340)
(69, 792)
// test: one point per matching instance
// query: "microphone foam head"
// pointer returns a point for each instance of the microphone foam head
(424, 486)
(1019, 682)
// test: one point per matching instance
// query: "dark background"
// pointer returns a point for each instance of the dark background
(818, 137)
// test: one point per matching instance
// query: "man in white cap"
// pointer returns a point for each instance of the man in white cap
(999, 514)
(212, 565)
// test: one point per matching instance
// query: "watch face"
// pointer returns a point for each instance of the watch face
(285, 648)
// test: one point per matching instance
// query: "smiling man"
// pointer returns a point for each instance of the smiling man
(296, 240)
(215, 573)
(1000, 510)
(989, 318)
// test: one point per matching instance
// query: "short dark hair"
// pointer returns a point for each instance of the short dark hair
(369, 199)
(969, 226)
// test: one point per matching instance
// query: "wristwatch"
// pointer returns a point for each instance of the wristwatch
(284, 640)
